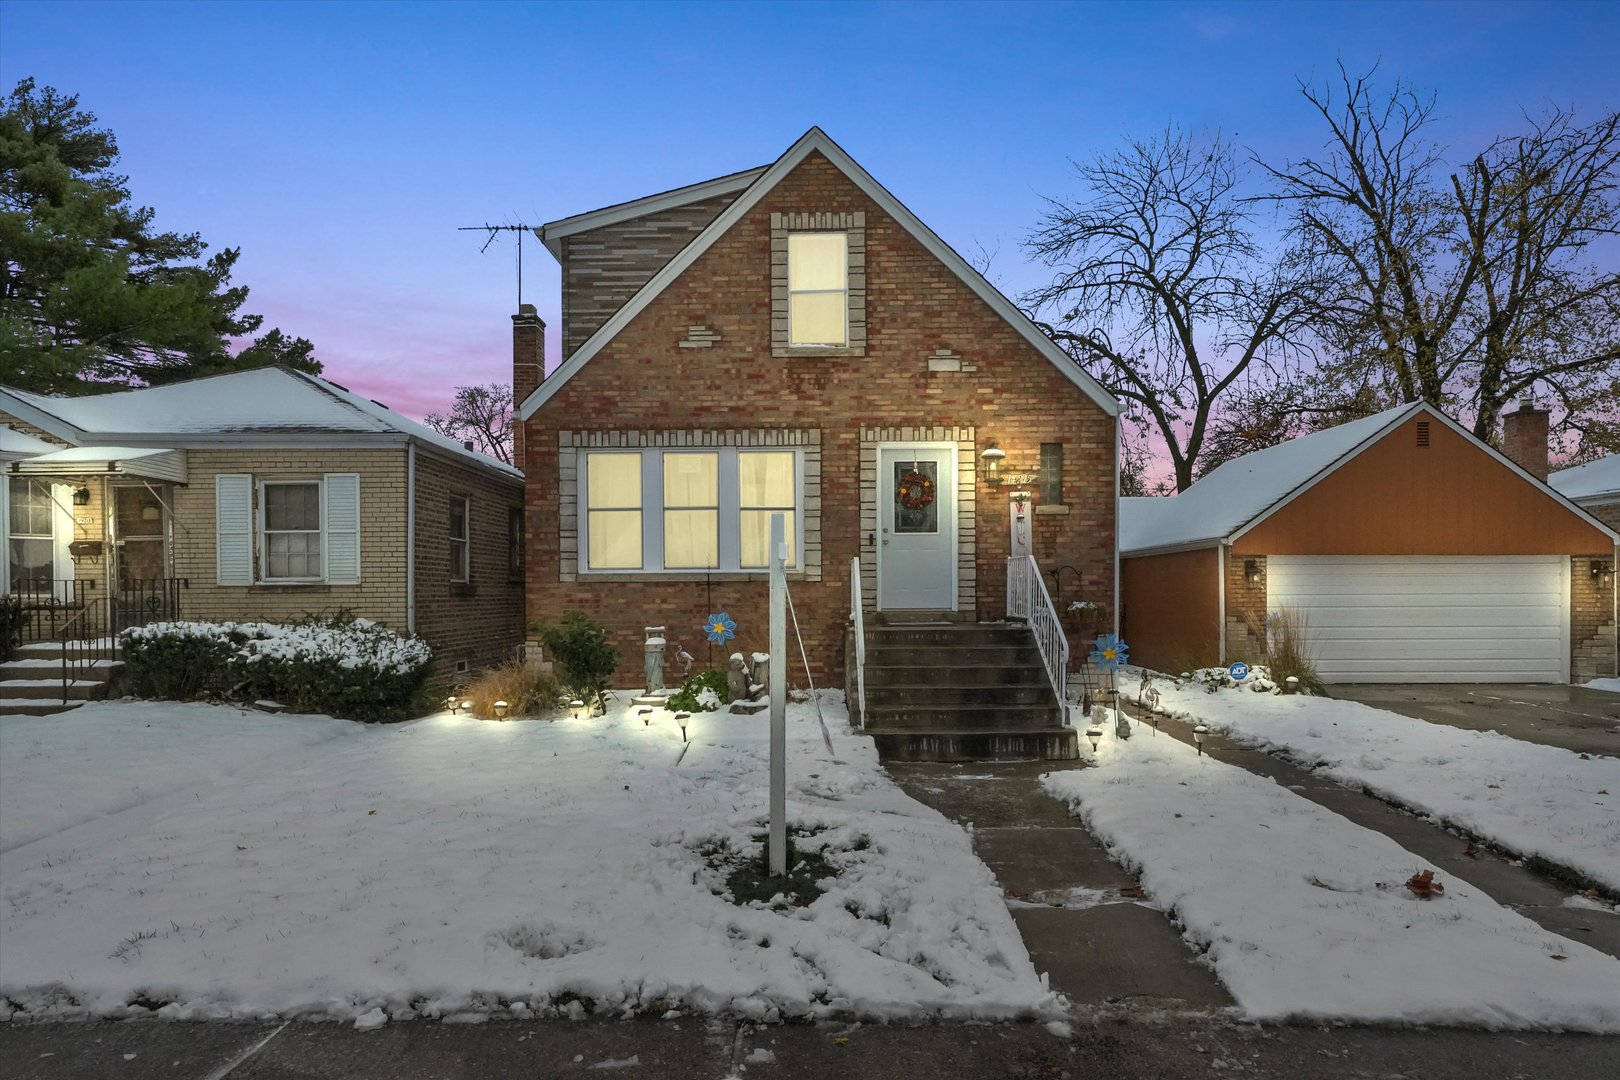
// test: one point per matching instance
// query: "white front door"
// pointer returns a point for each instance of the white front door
(916, 491)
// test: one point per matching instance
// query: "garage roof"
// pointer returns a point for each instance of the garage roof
(1246, 490)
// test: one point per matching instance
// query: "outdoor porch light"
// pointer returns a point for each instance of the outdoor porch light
(1095, 735)
(500, 710)
(1251, 571)
(681, 718)
(81, 496)
(1198, 737)
(992, 456)
(1602, 571)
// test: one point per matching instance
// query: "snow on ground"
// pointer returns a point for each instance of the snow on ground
(1304, 915)
(58, 771)
(459, 868)
(1528, 798)
(1611, 685)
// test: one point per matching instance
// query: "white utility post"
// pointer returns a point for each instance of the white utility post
(778, 838)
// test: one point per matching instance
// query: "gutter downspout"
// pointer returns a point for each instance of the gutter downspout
(1221, 555)
(410, 537)
(1119, 434)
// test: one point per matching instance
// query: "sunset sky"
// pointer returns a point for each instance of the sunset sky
(341, 145)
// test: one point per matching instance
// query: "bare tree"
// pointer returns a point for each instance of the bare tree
(481, 415)
(1162, 292)
(1465, 289)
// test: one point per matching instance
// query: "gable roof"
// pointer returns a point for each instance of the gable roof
(552, 232)
(1243, 492)
(1595, 481)
(816, 141)
(267, 403)
(14, 443)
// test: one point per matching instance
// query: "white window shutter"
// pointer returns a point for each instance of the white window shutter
(340, 526)
(233, 528)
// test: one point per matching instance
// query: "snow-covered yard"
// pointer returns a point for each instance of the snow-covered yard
(1305, 915)
(1531, 799)
(457, 868)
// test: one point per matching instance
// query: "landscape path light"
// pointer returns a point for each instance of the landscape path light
(577, 708)
(646, 715)
(1095, 735)
(500, 710)
(466, 705)
(1198, 737)
(681, 718)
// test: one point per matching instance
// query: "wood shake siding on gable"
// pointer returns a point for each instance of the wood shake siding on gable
(644, 383)
(604, 268)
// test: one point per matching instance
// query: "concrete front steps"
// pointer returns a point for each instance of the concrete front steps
(31, 684)
(961, 692)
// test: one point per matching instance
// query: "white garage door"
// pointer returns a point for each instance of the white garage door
(1429, 618)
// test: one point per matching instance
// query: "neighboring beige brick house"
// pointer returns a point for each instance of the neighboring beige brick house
(793, 339)
(264, 494)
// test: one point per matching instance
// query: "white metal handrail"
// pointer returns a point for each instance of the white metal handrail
(860, 636)
(1028, 599)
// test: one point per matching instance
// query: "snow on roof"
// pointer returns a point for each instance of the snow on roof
(263, 401)
(14, 443)
(1593, 480)
(1242, 489)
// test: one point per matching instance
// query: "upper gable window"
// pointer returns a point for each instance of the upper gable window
(818, 289)
(818, 284)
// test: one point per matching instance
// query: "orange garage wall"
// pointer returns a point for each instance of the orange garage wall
(1449, 498)
(1171, 609)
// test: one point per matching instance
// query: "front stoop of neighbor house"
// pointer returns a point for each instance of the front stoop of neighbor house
(31, 682)
(961, 692)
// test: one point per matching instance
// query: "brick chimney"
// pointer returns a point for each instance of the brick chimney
(528, 366)
(1524, 439)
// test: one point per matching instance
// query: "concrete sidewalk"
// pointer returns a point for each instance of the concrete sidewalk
(1097, 943)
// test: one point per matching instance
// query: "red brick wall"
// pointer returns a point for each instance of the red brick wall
(1008, 392)
(480, 621)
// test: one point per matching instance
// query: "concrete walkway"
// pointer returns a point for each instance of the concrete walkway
(1572, 717)
(1535, 895)
(1098, 945)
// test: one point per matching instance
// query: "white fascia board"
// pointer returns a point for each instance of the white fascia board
(254, 440)
(817, 140)
(1203, 544)
(1396, 420)
(552, 232)
(49, 423)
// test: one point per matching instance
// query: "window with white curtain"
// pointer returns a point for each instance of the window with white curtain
(657, 510)
(818, 288)
(32, 540)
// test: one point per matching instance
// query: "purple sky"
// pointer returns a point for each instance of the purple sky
(340, 145)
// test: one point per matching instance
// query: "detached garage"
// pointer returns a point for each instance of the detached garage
(1414, 552)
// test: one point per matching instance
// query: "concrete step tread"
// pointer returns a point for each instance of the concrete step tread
(37, 663)
(25, 684)
(35, 706)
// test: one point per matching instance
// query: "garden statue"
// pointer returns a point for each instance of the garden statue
(761, 675)
(737, 679)
(653, 659)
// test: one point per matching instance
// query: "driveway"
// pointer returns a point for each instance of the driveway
(1572, 717)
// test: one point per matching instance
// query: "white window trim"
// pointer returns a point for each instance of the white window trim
(262, 533)
(464, 541)
(9, 535)
(843, 308)
(652, 511)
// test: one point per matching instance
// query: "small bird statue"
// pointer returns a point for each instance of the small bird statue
(686, 661)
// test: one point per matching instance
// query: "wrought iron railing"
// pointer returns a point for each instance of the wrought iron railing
(859, 623)
(1027, 599)
(136, 603)
(47, 605)
(84, 640)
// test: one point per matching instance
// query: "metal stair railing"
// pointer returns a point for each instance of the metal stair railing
(856, 619)
(1027, 599)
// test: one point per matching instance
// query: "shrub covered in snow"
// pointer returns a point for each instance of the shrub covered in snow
(703, 692)
(343, 666)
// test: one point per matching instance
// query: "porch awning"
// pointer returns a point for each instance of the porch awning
(146, 462)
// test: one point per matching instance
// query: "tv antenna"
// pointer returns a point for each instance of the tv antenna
(495, 231)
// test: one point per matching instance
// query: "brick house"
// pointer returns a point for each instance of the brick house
(263, 494)
(792, 338)
(1416, 553)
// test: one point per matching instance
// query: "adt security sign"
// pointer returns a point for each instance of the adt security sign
(1239, 671)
